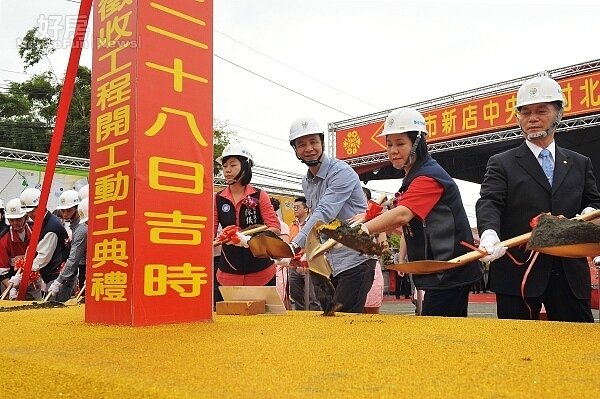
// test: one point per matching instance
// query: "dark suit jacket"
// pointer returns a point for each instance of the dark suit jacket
(515, 190)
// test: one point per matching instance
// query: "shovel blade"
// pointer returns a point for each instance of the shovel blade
(572, 250)
(269, 245)
(318, 264)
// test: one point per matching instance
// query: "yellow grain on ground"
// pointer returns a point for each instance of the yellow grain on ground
(50, 353)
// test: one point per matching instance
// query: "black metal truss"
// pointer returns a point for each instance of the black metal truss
(219, 181)
(41, 159)
(461, 97)
(488, 138)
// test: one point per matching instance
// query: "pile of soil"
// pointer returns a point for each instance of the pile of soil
(13, 306)
(553, 231)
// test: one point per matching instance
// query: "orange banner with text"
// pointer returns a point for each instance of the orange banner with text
(150, 242)
(487, 114)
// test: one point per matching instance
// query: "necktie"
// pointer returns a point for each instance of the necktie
(547, 164)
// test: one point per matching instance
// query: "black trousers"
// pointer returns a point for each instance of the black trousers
(352, 287)
(559, 301)
(450, 302)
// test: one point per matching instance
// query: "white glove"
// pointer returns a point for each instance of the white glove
(54, 287)
(488, 242)
(243, 240)
(587, 209)
(15, 280)
(35, 267)
(13, 293)
(283, 261)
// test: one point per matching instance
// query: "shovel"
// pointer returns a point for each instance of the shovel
(267, 244)
(580, 250)
(317, 264)
(327, 245)
(6, 291)
(436, 266)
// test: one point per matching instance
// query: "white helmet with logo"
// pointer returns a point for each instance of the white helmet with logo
(68, 199)
(30, 198)
(236, 149)
(304, 126)
(13, 209)
(84, 210)
(541, 89)
(404, 120)
(84, 192)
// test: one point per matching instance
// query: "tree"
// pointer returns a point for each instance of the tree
(33, 48)
(221, 135)
(28, 109)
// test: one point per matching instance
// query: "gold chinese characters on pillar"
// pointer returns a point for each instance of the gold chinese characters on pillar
(151, 157)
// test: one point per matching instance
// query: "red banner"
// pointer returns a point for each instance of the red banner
(471, 118)
(150, 249)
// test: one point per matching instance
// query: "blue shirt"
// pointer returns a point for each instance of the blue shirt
(334, 192)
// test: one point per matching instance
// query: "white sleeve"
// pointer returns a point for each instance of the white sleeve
(45, 250)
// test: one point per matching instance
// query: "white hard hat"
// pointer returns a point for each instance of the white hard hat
(13, 209)
(30, 198)
(83, 210)
(236, 149)
(68, 199)
(541, 89)
(404, 120)
(84, 192)
(304, 126)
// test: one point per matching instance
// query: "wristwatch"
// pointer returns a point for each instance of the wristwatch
(295, 247)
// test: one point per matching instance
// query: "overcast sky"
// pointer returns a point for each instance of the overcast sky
(351, 57)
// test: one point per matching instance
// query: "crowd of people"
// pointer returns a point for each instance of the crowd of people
(534, 178)
(58, 268)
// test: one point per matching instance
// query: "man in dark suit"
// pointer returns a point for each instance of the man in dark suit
(536, 177)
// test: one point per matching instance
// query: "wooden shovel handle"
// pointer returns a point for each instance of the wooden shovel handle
(81, 291)
(589, 216)
(476, 255)
(327, 245)
(10, 285)
(47, 296)
(6, 291)
(254, 230)
(518, 240)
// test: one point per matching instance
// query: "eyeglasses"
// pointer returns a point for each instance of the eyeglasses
(298, 207)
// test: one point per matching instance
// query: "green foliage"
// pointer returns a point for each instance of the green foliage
(394, 241)
(221, 136)
(28, 109)
(33, 48)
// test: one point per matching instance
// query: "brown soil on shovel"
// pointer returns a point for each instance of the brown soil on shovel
(352, 237)
(552, 231)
